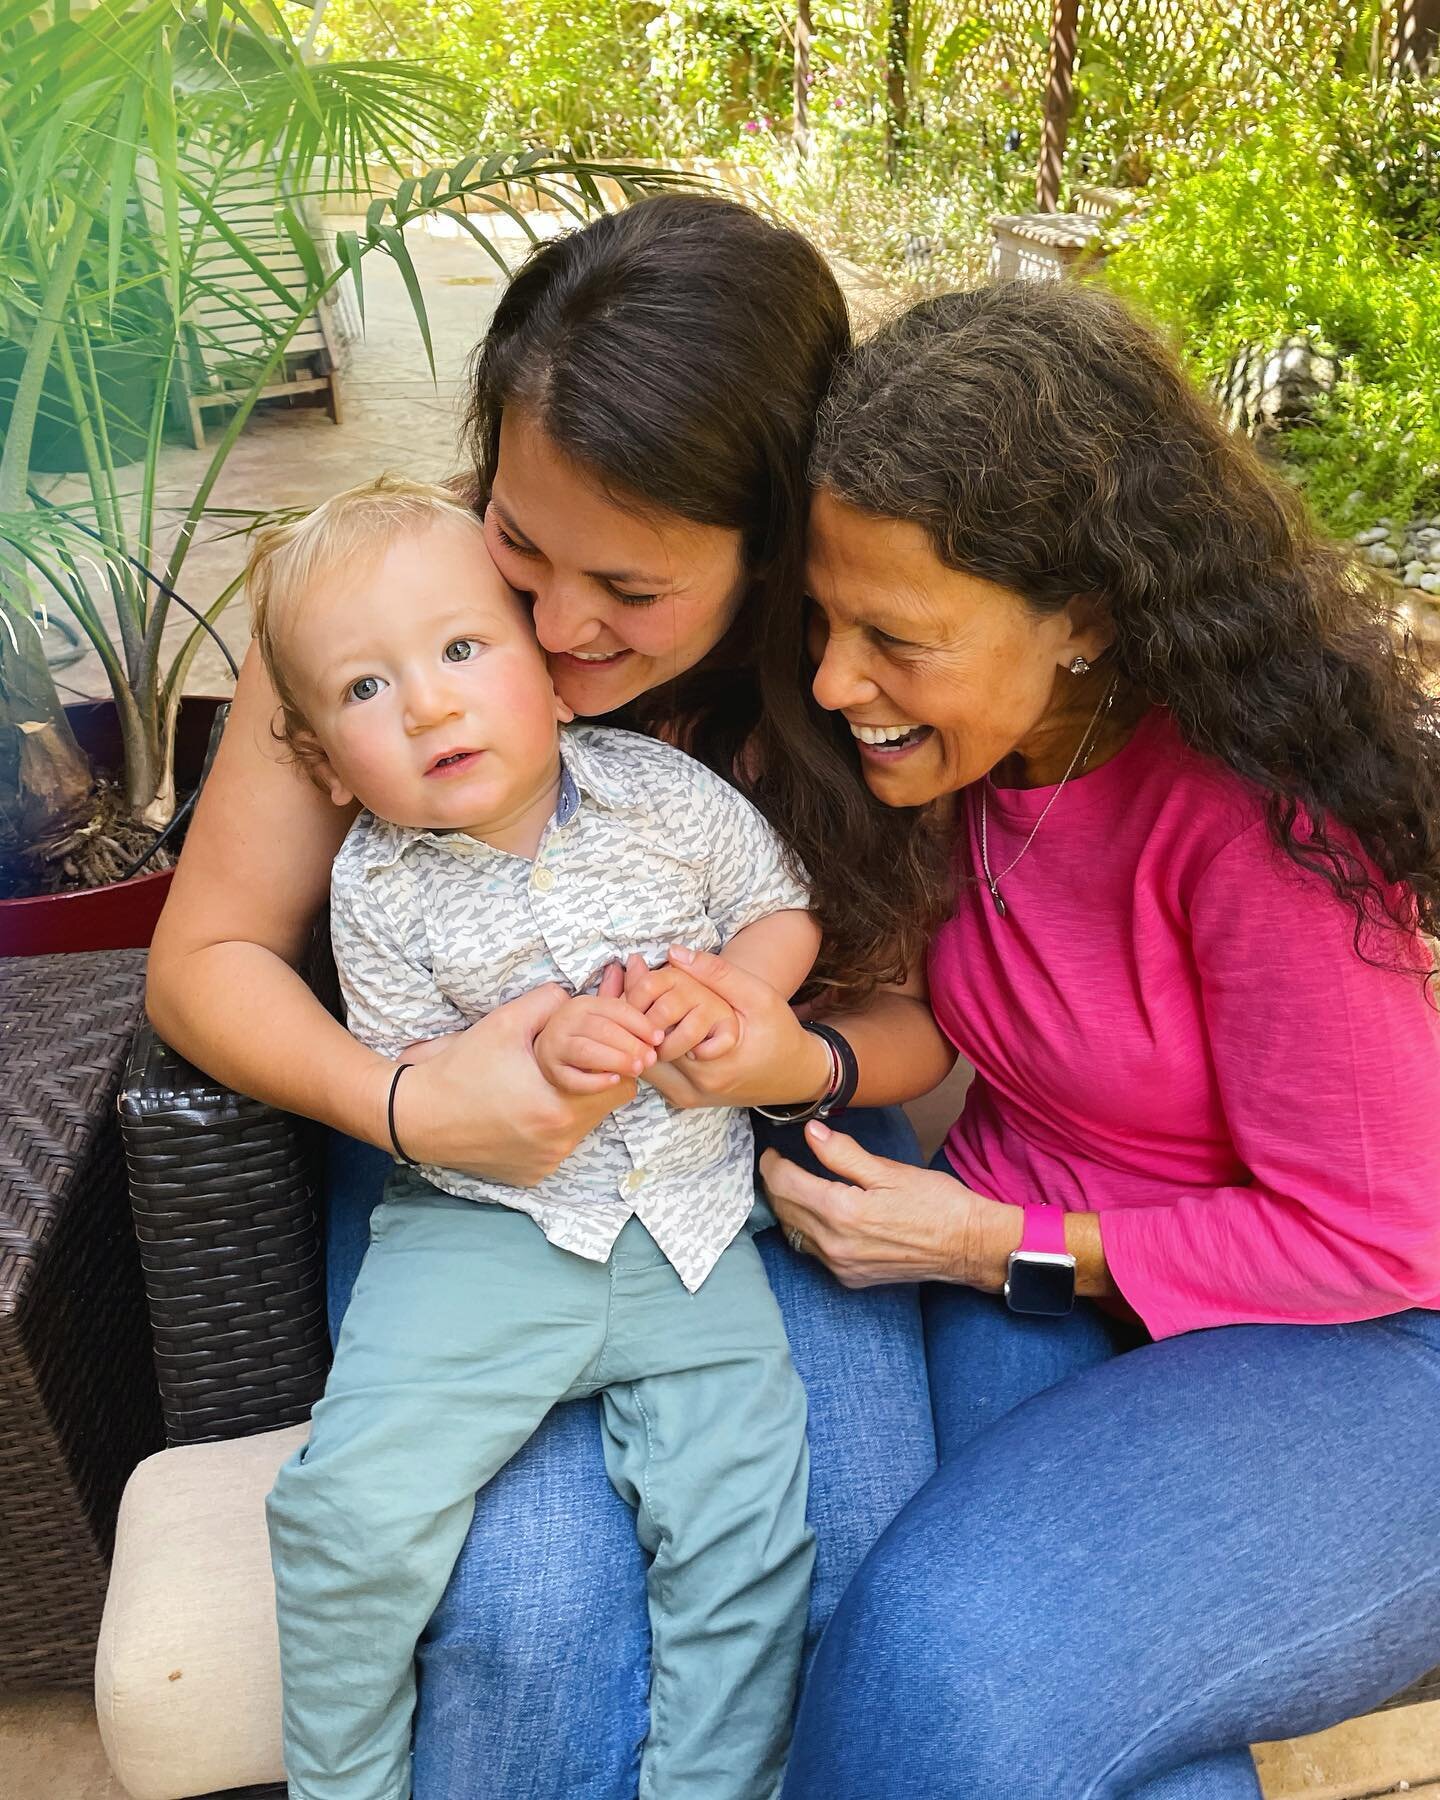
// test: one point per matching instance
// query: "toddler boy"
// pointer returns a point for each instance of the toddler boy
(496, 852)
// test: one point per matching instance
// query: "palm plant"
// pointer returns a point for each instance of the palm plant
(118, 127)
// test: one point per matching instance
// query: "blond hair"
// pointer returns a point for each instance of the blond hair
(285, 560)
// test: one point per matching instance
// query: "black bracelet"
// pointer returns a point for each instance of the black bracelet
(845, 1078)
(400, 1155)
(849, 1069)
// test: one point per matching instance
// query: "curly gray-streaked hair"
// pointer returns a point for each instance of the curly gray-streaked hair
(1047, 440)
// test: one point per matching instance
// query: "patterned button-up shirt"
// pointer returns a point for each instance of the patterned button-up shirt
(433, 930)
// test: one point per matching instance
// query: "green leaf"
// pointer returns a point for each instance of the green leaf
(394, 242)
(347, 247)
(303, 244)
(122, 177)
(486, 243)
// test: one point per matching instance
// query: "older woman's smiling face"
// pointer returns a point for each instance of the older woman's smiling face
(941, 675)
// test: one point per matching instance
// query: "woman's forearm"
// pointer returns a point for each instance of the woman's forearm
(899, 1048)
(993, 1233)
(248, 1019)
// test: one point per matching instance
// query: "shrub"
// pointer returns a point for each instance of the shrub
(1281, 236)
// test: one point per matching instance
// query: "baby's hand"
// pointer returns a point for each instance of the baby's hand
(592, 1041)
(694, 1018)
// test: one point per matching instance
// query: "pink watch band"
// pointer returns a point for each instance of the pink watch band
(1044, 1230)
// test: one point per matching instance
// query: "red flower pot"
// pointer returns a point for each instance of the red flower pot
(121, 916)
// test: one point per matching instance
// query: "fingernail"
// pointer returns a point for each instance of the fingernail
(818, 1129)
(681, 954)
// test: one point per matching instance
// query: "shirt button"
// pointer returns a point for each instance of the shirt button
(633, 1182)
(543, 879)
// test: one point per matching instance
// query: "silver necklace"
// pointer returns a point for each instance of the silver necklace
(1107, 700)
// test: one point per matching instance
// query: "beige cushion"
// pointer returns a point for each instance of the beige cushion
(187, 1674)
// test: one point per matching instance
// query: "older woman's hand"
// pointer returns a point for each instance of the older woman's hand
(883, 1221)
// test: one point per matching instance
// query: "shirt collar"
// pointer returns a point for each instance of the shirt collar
(583, 759)
(582, 771)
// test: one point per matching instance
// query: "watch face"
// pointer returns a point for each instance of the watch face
(1041, 1284)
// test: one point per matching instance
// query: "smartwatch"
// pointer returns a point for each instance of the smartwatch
(1040, 1278)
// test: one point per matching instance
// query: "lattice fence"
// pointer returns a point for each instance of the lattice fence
(1148, 74)
(1152, 74)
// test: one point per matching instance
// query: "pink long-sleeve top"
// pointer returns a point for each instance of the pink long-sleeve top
(1171, 1028)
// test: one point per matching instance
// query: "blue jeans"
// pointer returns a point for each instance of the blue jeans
(534, 1674)
(1135, 1560)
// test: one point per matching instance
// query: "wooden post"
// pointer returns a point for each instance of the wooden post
(1415, 47)
(800, 89)
(1059, 94)
(897, 85)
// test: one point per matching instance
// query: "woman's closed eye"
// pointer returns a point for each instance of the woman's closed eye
(888, 641)
(510, 543)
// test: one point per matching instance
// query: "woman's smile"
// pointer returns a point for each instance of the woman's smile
(887, 743)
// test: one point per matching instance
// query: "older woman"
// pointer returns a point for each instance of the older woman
(1184, 1361)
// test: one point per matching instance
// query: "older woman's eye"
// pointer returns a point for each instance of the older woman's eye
(366, 687)
(462, 649)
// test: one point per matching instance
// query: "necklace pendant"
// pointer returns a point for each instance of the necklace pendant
(999, 903)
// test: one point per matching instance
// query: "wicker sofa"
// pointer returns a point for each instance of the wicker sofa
(226, 1194)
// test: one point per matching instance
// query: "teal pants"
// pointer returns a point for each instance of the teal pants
(465, 1328)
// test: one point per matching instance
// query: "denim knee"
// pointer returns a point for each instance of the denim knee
(945, 1672)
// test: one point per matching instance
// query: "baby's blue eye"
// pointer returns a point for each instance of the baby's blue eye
(366, 688)
(461, 650)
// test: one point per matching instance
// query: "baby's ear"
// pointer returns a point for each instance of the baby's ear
(317, 766)
(564, 712)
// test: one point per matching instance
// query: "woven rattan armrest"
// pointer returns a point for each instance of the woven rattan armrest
(225, 1192)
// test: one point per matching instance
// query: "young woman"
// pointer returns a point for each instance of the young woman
(1185, 1359)
(642, 412)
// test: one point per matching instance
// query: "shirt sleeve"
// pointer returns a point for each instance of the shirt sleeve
(751, 875)
(1328, 1069)
(382, 956)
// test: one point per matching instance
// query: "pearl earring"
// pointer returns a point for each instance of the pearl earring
(1080, 666)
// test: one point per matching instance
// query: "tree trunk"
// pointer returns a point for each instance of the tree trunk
(897, 85)
(1059, 92)
(801, 82)
(1415, 47)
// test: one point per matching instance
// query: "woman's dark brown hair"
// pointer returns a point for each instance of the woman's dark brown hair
(678, 351)
(1048, 441)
